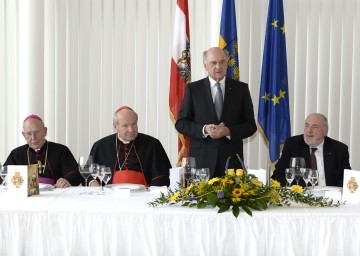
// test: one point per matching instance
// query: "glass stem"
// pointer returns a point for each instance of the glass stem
(86, 182)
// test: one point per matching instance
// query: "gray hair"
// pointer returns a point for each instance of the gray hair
(325, 120)
(206, 52)
(116, 114)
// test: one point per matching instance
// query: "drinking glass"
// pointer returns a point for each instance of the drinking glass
(3, 174)
(101, 175)
(94, 170)
(107, 176)
(295, 164)
(204, 174)
(306, 175)
(289, 176)
(188, 163)
(314, 177)
(84, 167)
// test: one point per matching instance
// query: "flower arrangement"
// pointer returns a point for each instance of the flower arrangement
(239, 190)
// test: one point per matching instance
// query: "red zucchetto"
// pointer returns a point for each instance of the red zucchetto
(32, 117)
(123, 107)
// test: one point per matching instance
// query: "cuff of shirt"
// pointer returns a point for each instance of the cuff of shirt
(203, 131)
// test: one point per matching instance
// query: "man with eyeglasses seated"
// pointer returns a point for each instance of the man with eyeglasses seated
(57, 165)
(330, 157)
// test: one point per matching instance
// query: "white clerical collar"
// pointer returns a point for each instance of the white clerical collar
(123, 141)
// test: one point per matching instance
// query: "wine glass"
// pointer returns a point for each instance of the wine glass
(314, 177)
(289, 176)
(3, 174)
(188, 163)
(306, 175)
(84, 167)
(101, 175)
(195, 177)
(107, 176)
(204, 174)
(94, 170)
(295, 164)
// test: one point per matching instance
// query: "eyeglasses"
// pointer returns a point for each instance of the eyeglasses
(35, 134)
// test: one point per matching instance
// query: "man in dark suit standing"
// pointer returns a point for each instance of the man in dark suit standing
(332, 156)
(217, 114)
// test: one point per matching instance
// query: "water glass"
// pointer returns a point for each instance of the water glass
(295, 164)
(84, 167)
(204, 174)
(289, 176)
(3, 174)
(306, 175)
(188, 163)
(314, 177)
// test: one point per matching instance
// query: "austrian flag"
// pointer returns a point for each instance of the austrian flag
(180, 74)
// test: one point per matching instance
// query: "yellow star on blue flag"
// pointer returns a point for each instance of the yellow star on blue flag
(274, 114)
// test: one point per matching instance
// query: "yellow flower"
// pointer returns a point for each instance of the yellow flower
(239, 172)
(174, 196)
(297, 188)
(189, 188)
(237, 192)
(227, 181)
(236, 199)
(231, 172)
(275, 183)
(256, 182)
(213, 180)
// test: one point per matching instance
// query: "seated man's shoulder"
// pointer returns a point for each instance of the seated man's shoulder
(335, 143)
(146, 138)
(106, 139)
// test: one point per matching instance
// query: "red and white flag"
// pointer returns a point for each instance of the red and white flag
(180, 73)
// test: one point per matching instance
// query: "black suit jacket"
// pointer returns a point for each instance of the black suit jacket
(336, 159)
(198, 109)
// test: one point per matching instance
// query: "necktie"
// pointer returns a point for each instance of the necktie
(218, 101)
(313, 159)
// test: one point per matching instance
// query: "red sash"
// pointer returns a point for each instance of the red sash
(129, 176)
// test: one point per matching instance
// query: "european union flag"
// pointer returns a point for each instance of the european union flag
(274, 114)
(228, 38)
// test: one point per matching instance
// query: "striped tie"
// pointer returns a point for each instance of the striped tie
(313, 159)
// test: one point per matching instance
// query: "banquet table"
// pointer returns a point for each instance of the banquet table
(71, 221)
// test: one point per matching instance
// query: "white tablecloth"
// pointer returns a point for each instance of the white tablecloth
(65, 222)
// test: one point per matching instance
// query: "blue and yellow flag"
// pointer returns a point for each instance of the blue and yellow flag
(228, 38)
(274, 114)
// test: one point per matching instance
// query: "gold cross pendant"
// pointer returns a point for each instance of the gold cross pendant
(40, 167)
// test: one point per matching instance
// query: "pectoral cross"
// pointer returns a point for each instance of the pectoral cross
(40, 167)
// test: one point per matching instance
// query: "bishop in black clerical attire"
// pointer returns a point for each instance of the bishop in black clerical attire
(56, 164)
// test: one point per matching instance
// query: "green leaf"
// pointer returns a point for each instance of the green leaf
(247, 210)
(224, 208)
(236, 211)
(212, 198)
(202, 205)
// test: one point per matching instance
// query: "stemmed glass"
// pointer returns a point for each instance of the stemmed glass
(295, 164)
(106, 172)
(94, 170)
(101, 175)
(204, 174)
(84, 167)
(107, 175)
(3, 174)
(306, 175)
(314, 177)
(188, 163)
(289, 176)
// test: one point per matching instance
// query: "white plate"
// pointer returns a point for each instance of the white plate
(44, 186)
(126, 185)
(326, 188)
